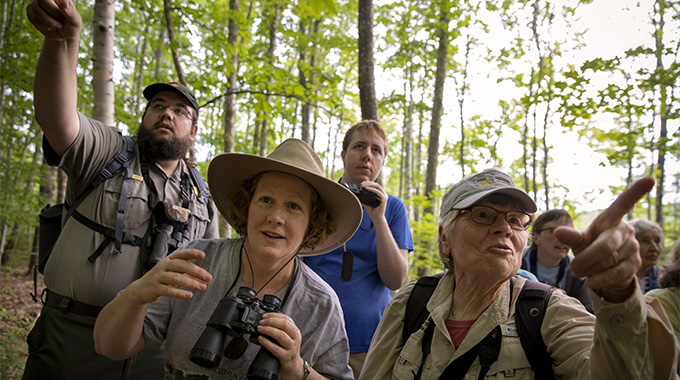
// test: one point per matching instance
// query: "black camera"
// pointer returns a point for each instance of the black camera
(366, 197)
(169, 230)
(235, 316)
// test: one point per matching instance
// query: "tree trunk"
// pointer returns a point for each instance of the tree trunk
(14, 236)
(367, 96)
(6, 197)
(660, 10)
(158, 56)
(461, 91)
(435, 124)
(407, 143)
(167, 10)
(312, 77)
(11, 243)
(6, 25)
(273, 29)
(229, 120)
(138, 83)
(305, 112)
(102, 61)
(546, 154)
(437, 106)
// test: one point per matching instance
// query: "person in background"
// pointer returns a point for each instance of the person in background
(86, 269)
(548, 258)
(668, 292)
(283, 207)
(373, 263)
(482, 232)
(650, 237)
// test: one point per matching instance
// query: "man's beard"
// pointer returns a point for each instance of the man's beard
(161, 148)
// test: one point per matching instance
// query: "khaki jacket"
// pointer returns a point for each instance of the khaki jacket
(630, 340)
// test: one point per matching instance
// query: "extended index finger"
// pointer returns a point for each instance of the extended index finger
(623, 204)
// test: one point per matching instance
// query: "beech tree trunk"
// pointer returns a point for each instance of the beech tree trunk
(102, 61)
(368, 100)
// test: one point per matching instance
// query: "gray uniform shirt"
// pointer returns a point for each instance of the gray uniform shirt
(68, 271)
(311, 303)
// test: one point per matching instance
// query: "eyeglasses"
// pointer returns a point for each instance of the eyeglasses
(487, 216)
(176, 109)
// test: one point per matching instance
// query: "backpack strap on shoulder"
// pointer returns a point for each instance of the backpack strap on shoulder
(416, 314)
(416, 306)
(529, 313)
(120, 162)
(203, 191)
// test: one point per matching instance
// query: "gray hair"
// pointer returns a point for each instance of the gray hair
(446, 224)
(643, 225)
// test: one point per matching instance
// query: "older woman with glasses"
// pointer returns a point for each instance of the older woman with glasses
(482, 231)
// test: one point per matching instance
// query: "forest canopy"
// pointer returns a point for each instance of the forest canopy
(554, 92)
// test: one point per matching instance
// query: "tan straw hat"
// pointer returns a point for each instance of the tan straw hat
(228, 171)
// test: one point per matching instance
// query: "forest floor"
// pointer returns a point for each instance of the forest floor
(18, 313)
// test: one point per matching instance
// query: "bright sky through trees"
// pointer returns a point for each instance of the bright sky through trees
(612, 27)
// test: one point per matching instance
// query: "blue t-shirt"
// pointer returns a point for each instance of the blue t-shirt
(364, 297)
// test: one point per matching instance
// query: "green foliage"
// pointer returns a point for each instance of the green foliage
(552, 93)
(425, 257)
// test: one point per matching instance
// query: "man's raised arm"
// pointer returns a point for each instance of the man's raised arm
(55, 87)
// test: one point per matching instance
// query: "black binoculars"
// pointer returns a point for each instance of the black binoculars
(169, 230)
(235, 316)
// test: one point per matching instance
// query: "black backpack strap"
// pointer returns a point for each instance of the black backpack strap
(416, 306)
(109, 235)
(488, 350)
(416, 314)
(121, 162)
(529, 313)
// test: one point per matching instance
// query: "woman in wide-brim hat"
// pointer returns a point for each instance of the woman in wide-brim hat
(282, 207)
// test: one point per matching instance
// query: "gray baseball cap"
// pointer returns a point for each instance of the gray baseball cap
(151, 91)
(472, 189)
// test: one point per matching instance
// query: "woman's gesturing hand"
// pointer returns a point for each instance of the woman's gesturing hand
(607, 253)
(172, 276)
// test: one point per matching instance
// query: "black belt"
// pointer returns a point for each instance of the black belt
(71, 306)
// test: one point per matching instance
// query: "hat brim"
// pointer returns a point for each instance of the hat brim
(228, 171)
(524, 200)
(151, 90)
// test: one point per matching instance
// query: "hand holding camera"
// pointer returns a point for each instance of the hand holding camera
(366, 197)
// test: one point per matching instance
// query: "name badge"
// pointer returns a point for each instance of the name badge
(510, 330)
